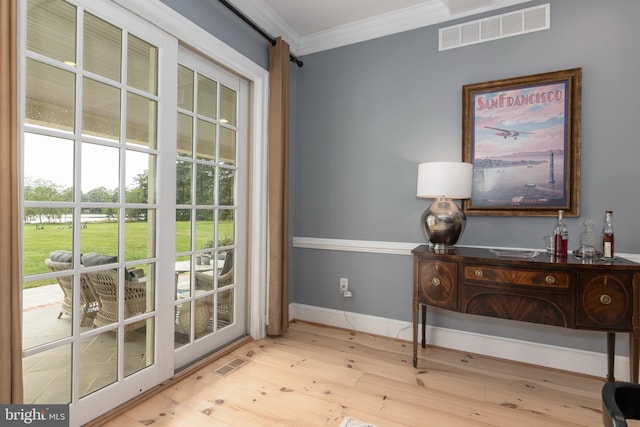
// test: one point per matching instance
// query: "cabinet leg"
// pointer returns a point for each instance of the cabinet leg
(424, 325)
(634, 349)
(611, 354)
(415, 333)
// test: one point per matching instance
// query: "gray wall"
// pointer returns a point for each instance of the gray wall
(368, 113)
(215, 18)
(364, 116)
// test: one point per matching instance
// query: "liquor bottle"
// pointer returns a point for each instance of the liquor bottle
(561, 236)
(607, 235)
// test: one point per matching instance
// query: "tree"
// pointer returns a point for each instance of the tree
(42, 190)
(183, 182)
(100, 195)
(226, 186)
(138, 193)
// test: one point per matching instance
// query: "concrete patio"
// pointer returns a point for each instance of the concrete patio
(47, 374)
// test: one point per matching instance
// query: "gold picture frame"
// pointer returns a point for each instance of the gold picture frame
(522, 136)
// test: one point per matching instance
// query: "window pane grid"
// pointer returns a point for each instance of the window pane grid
(206, 140)
(51, 30)
(50, 96)
(102, 48)
(142, 65)
(80, 110)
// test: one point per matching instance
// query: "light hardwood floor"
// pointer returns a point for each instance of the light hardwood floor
(317, 376)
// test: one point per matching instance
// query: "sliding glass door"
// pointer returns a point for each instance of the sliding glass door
(135, 186)
(211, 153)
(90, 202)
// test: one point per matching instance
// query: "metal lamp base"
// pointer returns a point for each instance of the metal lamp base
(443, 223)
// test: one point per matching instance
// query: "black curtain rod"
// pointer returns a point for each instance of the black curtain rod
(253, 25)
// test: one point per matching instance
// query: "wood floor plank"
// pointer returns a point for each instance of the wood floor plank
(325, 396)
(416, 406)
(271, 392)
(469, 375)
(306, 364)
(471, 404)
(316, 376)
(507, 389)
(162, 410)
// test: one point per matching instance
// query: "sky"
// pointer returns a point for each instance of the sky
(538, 110)
(52, 159)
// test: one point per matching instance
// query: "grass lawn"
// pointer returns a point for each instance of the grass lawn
(102, 237)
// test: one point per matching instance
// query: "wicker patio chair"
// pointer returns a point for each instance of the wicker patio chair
(89, 304)
(105, 284)
(202, 316)
(204, 279)
(224, 308)
(225, 277)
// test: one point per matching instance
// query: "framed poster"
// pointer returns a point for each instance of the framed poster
(522, 136)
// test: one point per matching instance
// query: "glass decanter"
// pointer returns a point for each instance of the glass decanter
(587, 240)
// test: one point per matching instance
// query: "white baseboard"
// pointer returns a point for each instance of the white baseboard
(563, 358)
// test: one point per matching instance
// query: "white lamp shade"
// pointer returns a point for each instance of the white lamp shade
(445, 179)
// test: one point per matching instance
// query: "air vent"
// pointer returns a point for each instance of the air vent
(510, 24)
(230, 367)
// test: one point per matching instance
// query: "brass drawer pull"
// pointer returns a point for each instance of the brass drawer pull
(479, 273)
(435, 281)
(550, 280)
(605, 299)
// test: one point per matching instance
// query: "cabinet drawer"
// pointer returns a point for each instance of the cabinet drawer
(516, 276)
(437, 283)
(523, 304)
(605, 301)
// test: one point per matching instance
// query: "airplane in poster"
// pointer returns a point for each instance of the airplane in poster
(506, 133)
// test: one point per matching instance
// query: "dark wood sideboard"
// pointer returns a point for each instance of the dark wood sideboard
(600, 296)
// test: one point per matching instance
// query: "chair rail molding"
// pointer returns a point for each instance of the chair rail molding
(370, 246)
(393, 248)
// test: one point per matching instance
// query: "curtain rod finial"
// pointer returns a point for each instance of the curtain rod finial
(296, 60)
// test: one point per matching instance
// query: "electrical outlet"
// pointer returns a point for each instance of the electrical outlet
(344, 284)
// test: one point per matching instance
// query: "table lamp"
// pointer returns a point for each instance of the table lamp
(443, 222)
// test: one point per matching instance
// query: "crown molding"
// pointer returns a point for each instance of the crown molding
(430, 12)
(372, 28)
(267, 19)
